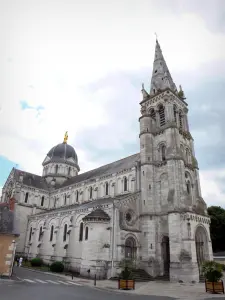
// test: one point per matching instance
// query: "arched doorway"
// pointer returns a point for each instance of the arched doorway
(130, 248)
(201, 242)
(165, 246)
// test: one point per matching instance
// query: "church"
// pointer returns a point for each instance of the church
(146, 207)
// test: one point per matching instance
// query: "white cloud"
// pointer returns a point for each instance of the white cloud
(54, 50)
(212, 188)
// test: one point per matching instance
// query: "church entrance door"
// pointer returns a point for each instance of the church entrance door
(166, 255)
(201, 247)
(130, 248)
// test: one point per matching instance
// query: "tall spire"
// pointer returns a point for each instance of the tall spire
(161, 78)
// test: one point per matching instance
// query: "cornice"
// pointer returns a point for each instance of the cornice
(160, 96)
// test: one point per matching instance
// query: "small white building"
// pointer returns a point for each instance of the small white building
(147, 206)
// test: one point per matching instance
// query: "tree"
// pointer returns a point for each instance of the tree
(217, 227)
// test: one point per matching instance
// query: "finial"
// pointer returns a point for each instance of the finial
(181, 92)
(143, 86)
(156, 36)
(65, 137)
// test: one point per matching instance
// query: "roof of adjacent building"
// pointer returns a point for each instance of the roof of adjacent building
(39, 182)
(7, 220)
(97, 214)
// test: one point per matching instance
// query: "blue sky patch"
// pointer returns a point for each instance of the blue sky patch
(25, 105)
(5, 168)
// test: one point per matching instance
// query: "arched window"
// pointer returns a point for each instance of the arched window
(65, 199)
(188, 185)
(81, 232)
(42, 200)
(77, 196)
(69, 171)
(51, 233)
(65, 233)
(163, 152)
(106, 188)
(86, 233)
(152, 114)
(180, 120)
(40, 234)
(91, 190)
(175, 113)
(30, 234)
(56, 169)
(26, 197)
(125, 184)
(162, 120)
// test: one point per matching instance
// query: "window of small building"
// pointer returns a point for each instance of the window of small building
(30, 235)
(106, 188)
(86, 233)
(81, 231)
(51, 233)
(40, 234)
(125, 185)
(26, 197)
(65, 233)
(91, 192)
(42, 200)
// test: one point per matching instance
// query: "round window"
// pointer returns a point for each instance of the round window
(128, 217)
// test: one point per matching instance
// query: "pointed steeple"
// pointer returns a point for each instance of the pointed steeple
(161, 78)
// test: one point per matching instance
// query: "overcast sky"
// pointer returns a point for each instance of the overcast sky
(78, 65)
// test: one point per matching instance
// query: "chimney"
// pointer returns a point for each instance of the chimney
(11, 204)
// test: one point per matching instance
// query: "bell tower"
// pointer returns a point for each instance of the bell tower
(170, 187)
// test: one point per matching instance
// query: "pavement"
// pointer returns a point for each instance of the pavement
(45, 285)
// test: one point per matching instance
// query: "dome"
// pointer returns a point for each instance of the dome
(62, 153)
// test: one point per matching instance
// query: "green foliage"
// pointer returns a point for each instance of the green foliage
(57, 266)
(212, 271)
(36, 262)
(223, 267)
(217, 227)
(127, 267)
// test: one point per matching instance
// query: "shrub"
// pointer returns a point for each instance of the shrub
(223, 267)
(57, 266)
(36, 262)
(212, 271)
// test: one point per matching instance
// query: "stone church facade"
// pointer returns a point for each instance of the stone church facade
(147, 207)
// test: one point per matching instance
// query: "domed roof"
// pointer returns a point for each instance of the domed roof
(62, 151)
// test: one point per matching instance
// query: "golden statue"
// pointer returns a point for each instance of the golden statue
(65, 137)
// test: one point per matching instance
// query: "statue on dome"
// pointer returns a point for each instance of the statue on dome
(65, 137)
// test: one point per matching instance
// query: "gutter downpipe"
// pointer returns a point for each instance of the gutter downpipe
(113, 234)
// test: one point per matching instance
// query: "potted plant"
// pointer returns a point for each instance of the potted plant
(213, 273)
(126, 280)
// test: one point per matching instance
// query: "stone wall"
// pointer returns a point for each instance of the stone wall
(6, 254)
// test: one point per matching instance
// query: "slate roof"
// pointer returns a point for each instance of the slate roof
(62, 153)
(97, 214)
(114, 167)
(38, 182)
(32, 180)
